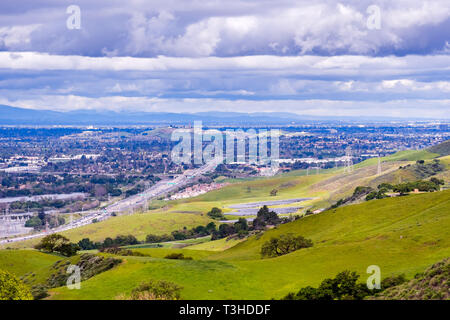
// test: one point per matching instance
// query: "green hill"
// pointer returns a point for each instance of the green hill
(443, 148)
(400, 235)
(433, 284)
(21, 262)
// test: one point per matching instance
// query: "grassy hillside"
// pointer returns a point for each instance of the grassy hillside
(443, 149)
(406, 155)
(216, 245)
(401, 235)
(21, 262)
(361, 222)
(30, 264)
(433, 284)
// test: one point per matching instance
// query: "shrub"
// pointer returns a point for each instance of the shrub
(154, 290)
(90, 265)
(123, 252)
(393, 281)
(177, 256)
(39, 292)
(11, 288)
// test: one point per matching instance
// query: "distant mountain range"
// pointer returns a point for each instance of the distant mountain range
(21, 116)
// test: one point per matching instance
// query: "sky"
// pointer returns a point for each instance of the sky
(323, 58)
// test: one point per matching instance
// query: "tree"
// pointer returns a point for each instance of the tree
(241, 224)
(265, 217)
(41, 215)
(284, 245)
(50, 242)
(67, 249)
(108, 242)
(216, 213)
(211, 227)
(437, 181)
(224, 231)
(57, 243)
(178, 235)
(86, 244)
(12, 288)
(34, 222)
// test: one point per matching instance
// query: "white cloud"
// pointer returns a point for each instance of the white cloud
(308, 65)
(17, 35)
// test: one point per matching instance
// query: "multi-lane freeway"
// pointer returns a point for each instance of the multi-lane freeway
(129, 204)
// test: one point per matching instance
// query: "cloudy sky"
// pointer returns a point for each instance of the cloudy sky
(378, 57)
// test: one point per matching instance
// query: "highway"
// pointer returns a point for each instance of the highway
(129, 204)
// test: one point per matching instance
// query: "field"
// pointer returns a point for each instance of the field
(216, 245)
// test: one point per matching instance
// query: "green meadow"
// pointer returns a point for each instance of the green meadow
(400, 235)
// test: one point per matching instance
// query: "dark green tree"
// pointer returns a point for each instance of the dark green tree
(216, 213)
(283, 245)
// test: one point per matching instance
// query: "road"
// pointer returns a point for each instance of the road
(141, 200)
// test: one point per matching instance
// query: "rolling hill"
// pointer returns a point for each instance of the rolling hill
(442, 149)
(400, 235)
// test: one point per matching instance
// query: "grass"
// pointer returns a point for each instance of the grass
(216, 245)
(21, 262)
(401, 235)
(173, 244)
(31, 264)
(162, 252)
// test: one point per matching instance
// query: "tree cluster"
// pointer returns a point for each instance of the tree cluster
(344, 286)
(120, 240)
